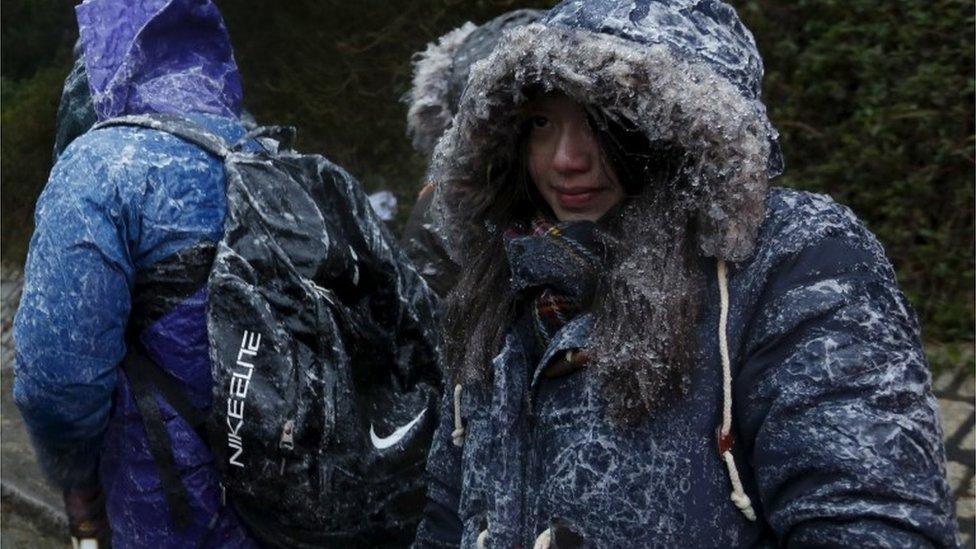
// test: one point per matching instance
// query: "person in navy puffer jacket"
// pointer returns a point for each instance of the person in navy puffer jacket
(125, 234)
(648, 345)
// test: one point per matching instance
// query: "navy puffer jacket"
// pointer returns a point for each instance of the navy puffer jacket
(835, 439)
(836, 431)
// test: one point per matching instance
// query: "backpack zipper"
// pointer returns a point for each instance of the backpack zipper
(287, 442)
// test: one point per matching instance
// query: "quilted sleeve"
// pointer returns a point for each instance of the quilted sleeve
(836, 409)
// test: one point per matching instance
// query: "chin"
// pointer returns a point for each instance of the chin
(593, 215)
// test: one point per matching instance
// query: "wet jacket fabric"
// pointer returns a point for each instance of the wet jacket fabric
(836, 429)
(125, 235)
(76, 114)
(425, 248)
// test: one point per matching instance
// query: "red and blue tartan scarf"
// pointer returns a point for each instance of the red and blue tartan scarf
(555, 265)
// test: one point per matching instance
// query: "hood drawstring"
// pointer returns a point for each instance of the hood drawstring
(458, 434)
(482, 541)
(724, 433)
(544, 540)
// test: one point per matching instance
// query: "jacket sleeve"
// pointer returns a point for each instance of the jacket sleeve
(69, 328)
(836, 408)
(441, 525)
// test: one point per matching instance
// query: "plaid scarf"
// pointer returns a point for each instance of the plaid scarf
(554, 266)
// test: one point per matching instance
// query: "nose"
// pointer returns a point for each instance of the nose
(575, 149)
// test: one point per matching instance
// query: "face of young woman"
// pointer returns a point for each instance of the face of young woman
(566, 162)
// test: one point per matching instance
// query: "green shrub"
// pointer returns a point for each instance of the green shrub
(34, 35)
(874, 101)
(26, 143)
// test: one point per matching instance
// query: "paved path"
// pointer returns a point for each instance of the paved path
(33, 501)
(955, 390)
(29, 504)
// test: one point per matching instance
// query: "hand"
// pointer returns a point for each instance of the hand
(87, 520)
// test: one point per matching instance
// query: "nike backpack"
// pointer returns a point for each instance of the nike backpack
(324, 348)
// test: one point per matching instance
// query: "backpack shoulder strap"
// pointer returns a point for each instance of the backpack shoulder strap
(147, 378)
(178, 126)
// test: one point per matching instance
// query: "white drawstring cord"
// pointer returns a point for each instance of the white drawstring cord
(739, 496)
(458, 434)
(544, 540)
(482, 541)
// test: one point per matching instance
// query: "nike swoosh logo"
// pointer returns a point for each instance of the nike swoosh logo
(382, 443)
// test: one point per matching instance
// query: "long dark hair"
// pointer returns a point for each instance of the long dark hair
(646, 305)
(480, 308)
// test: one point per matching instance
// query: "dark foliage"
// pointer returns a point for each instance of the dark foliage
(874, 101)
(875, 104)
(34, 33)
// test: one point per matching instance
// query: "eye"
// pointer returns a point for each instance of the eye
(539, 121)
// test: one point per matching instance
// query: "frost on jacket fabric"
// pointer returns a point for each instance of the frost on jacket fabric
(125, 233)
(836, 435)
(163, 56)
(425, 248)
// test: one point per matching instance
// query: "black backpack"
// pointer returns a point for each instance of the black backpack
(324, 346)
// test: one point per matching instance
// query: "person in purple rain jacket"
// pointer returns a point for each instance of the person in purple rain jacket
(125, 235)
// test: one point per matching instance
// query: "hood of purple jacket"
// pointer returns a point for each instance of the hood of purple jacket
(158, 56)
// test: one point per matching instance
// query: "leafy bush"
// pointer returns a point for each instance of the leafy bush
(875, 104)
(874, 101)
(34, 35)
(26, 142)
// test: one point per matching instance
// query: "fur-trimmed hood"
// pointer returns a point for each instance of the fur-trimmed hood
(441, 71)
(683, 71)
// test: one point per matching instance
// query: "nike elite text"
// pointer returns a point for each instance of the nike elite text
(239, 382)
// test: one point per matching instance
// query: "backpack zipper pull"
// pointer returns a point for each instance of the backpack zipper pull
(288, 435)
(287, 441)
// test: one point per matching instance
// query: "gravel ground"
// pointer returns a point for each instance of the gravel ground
(18, 531)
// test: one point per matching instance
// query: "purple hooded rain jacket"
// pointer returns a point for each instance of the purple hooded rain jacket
(126, 231)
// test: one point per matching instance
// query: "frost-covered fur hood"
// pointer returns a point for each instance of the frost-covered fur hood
(684, 71)
(441, 71)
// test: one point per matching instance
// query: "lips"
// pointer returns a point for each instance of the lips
(579, 197)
